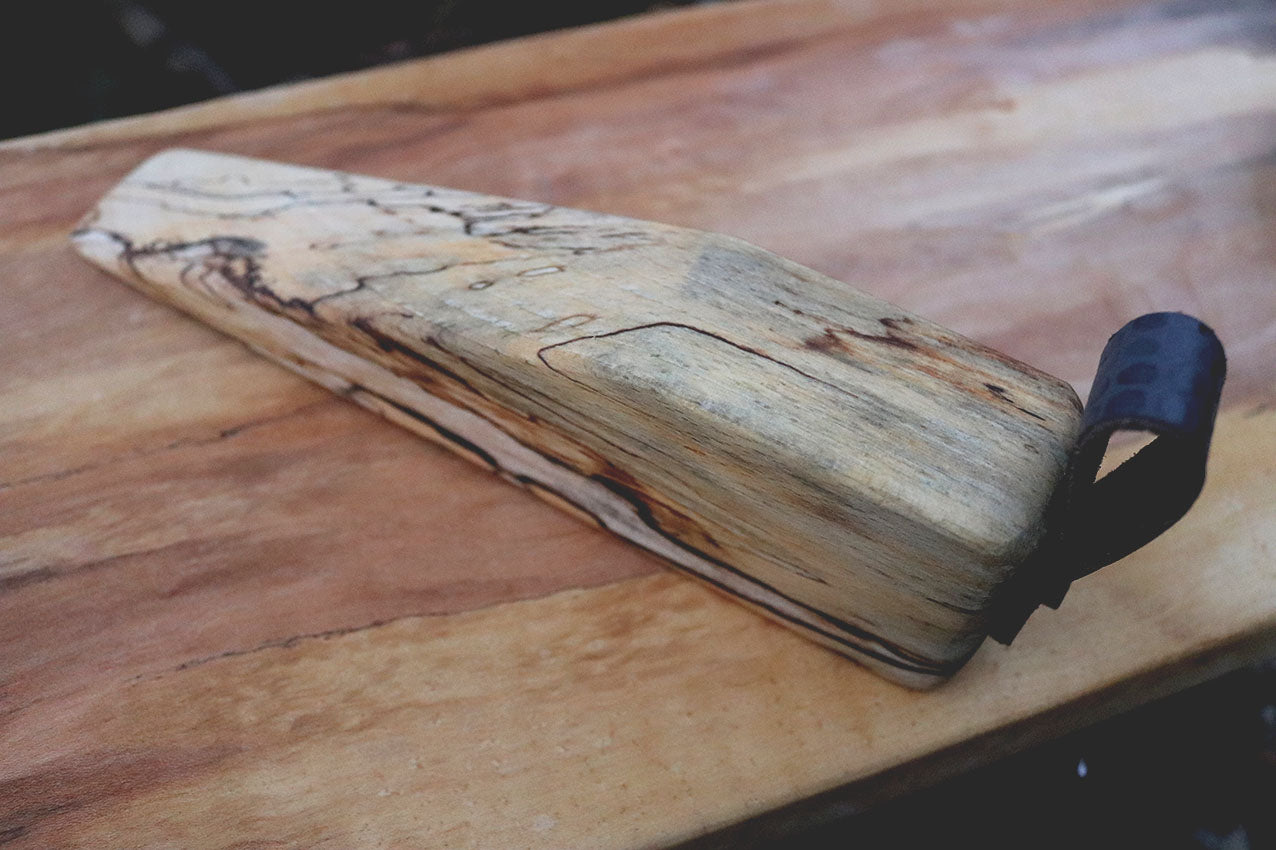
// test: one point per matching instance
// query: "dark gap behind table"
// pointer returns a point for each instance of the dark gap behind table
(69, 62)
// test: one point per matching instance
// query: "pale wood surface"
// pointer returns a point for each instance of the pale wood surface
(853, 471)
(238, 611)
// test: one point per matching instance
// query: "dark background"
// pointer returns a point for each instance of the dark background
(1197, 770)
(72, 61)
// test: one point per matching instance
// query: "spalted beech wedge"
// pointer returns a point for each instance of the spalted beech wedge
(856, 472)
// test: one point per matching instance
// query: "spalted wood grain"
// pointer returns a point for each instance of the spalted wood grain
(173, 500)
(852, 470)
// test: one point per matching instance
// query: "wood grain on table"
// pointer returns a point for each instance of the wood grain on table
(238, 612)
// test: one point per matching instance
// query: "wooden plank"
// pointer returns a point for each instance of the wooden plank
(853, 471)
(434, 730)
(1030, 175)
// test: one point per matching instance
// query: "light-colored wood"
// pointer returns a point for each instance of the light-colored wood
(179, 514)
(854, 471)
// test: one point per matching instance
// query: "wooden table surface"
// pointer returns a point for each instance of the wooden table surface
(236, 611)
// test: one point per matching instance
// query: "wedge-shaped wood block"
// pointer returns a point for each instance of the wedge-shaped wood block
(855, 472)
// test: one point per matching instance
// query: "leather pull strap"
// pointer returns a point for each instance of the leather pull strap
(1162, 374)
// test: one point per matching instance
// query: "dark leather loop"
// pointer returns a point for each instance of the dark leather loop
(1163, 374)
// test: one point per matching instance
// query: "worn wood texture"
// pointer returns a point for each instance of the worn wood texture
(854, 471)
(238, 611)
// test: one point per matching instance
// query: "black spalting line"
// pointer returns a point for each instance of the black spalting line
(469, 218)
(549, 231)
(532, 484)
(952, 606)
(239, 264)
(829, 339)
(178, 188)
(446, 433)
(390, 345)
(540, 354)
(1001, 393)
(364, 280)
